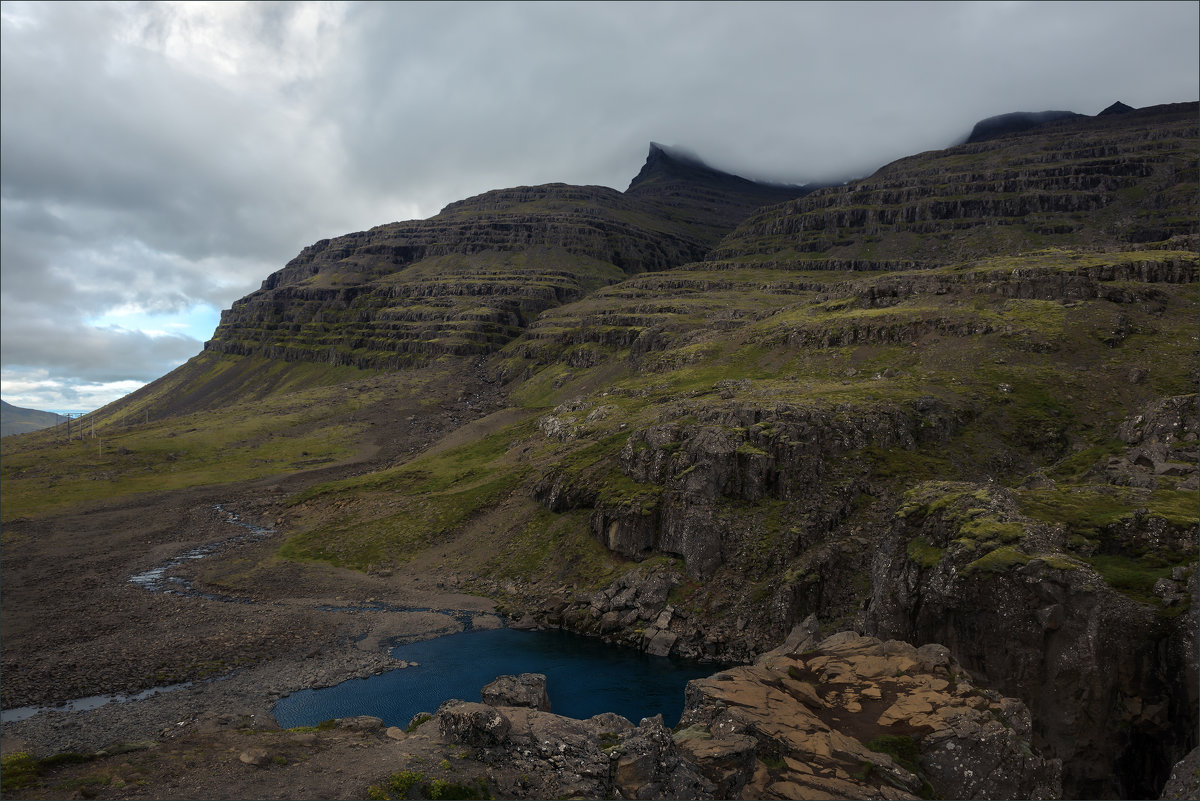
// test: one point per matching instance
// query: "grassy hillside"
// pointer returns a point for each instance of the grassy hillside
(926, 340)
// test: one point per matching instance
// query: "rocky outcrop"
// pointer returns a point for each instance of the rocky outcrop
(1054, 617)
(856, 717)
(844, 717)
(527, 689)
(1161, 441)
(556, 757)
(743, 452)
(474, 725)
(1184, 782)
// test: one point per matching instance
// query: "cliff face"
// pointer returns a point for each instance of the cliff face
(1053, 609)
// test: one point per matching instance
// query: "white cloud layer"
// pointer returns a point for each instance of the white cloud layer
(35, 389)
(158, 160)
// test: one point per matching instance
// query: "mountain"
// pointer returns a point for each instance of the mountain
(15, 420)
(952, 402)
(1116, 108)
(685, 188)
(1014, 122)
(472, 278)
(1019, 121)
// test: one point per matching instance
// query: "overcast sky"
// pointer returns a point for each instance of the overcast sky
(158, 160)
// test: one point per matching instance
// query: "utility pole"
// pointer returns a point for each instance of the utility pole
(78, 428)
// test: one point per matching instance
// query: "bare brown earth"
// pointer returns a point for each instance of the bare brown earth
(74, 626)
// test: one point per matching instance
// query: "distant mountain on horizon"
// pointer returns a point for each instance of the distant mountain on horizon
(17, 420)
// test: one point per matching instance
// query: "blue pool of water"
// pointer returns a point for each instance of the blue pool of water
(584, 677)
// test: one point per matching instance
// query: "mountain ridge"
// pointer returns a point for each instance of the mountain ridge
(18, 420)
(1014, 122)
(570, 239)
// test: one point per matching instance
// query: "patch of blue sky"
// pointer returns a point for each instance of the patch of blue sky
(197, 322)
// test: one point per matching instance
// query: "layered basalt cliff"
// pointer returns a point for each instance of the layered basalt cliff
(447, 305)
(471, 278)
(972, 360)
(681, 472)
(1102, 181)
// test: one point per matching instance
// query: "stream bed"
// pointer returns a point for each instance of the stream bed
(585, 676)
(88, 703)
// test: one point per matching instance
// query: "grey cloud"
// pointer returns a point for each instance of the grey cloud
(89, 354)
(75, 272)
(149, 151)
(468, 98)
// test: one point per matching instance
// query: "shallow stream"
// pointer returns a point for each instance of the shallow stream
(84, 704)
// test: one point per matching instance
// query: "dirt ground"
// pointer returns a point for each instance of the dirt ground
(74, 625)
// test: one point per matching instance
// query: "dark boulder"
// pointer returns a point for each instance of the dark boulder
(527, 689)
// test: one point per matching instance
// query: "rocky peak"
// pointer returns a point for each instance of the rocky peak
(712, 202)
(674, 162)
(670, 164)
(1116, 108)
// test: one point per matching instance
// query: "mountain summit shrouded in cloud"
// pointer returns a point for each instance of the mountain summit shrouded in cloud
(158, 160)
